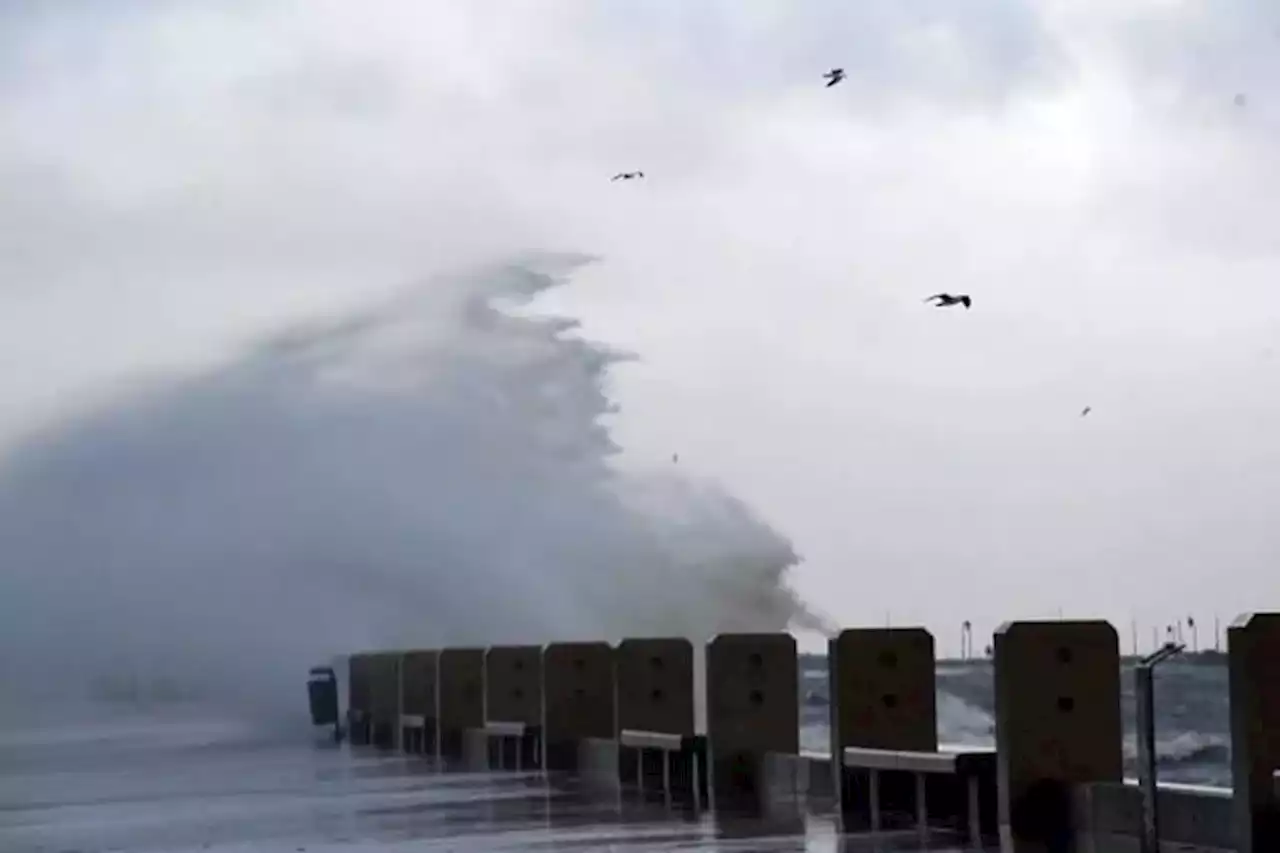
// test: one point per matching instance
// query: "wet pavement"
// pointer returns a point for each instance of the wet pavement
(176, 782)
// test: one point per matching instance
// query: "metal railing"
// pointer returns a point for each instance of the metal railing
(970, 766)
(670, 746)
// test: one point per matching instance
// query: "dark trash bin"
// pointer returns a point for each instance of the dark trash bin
(322, 691)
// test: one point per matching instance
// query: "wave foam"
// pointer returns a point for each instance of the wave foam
(433, 470)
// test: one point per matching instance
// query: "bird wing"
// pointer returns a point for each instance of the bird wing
(966, 300)
(615, 177)
(936, 296)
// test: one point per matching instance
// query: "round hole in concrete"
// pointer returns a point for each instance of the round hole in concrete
(889, 701)
(756, 697)
(1066, 704)
(1063, 654)
(655, 662)
(517, 693)
(656, 694)
(518, 666)
(755, 660)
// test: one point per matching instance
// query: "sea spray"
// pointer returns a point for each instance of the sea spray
(434, 470)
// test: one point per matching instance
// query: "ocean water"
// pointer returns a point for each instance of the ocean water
(1193, 729)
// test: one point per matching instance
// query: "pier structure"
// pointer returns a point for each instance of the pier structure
(621, 718)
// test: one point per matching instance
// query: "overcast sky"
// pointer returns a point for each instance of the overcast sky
(179, 177)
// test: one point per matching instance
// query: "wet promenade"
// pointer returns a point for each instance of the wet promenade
(183, 782)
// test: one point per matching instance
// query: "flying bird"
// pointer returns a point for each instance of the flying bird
(675, 457)
(946, 300)
(834, 76)
(627, 176)
(1086, 410)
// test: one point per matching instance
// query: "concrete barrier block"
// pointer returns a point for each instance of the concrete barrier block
(358, 698)
(753, 708)
(513, 695)
(513, 685)
(478, 753)
(598, 765)
(883, 689)
(384, 698)
(805, 777)
(460, 696)
(657, 718)
(1109, 808)
(655, 685)
(883, 696)
(1199, 820)
(1109, 818)
(1058, 723)
(578, 700)
(1253, 651)
(418, 712)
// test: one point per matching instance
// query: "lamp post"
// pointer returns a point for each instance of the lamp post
(1144, 693)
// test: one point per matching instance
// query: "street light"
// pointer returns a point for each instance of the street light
(1144, 693)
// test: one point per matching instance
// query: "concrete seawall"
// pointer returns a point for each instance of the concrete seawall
(625, 718)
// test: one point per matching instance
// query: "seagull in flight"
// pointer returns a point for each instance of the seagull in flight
(1087, 410)
(834, 76)
(627, 176)
(945, 300)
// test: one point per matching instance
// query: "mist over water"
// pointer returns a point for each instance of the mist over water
(436, 469)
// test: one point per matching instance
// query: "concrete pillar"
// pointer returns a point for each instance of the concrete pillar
(418, 675)
(883, 689)
(656, 694)
(655, 685)
(1253, 650)
(883, 696)
(384, 699)
(513, 694)
(753, 708)
(1057, 724)
(578, 700)
(513, 685)
(460, 693)
(358, 696)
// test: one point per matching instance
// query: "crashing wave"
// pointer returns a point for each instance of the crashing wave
(433, 470)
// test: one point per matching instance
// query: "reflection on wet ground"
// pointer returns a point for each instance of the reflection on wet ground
(187, 784)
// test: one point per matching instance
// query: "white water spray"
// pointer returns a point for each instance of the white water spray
(430, 471)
